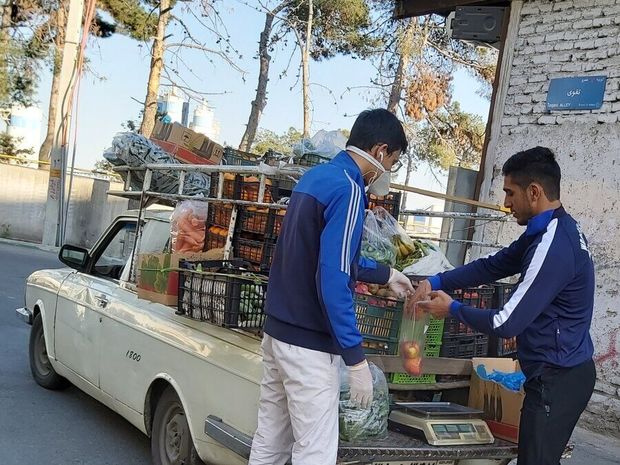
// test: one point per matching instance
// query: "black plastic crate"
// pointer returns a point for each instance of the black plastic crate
(238, 158)
(247, 188)
(390, 202)
(378, 320)
(258, 253)
(498, 346)
(228, 190)
(214, 240)
(464, 346)
(232, 299)
(312, 159)
(501, 347)
(286, 184)
(263, 221)
(454, 327)
(479, 297)
(219, 215)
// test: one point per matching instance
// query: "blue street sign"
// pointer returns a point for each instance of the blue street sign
(576, 93)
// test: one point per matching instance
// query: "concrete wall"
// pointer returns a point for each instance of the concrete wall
(23, 193)
(562, 39)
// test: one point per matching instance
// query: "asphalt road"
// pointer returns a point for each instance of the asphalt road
(41, 427)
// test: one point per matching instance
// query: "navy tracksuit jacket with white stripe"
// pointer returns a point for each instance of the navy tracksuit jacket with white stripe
(317, 262)
(550, 309)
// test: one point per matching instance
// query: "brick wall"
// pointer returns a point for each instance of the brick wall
(563, 39)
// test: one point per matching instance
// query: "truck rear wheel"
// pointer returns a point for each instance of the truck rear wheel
(42, 370)
(171, 442)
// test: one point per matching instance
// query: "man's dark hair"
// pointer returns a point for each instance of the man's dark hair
(378, 126)
(535, 165)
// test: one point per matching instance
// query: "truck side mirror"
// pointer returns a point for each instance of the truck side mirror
(74, 257)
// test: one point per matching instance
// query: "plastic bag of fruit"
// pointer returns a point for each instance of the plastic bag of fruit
(408, 251)
(375, 245)
(413, 338)
(188, 225)
(356, 423)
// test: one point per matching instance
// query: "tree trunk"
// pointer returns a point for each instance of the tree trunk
(403, 201)
(305, 58)
(61, 21)
(397, 85)
(5, 28)
(260, 101)
(157, 63)
(404, 58)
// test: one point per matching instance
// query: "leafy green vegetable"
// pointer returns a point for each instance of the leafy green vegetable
(357, 423)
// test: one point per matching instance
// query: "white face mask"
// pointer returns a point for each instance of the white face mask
(379, 185)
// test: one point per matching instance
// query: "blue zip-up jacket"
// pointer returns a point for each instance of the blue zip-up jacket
(317, 263)
(550, 309)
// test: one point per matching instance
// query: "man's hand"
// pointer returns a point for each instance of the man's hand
(421, 293)
(399, 283)
(360, 383)
(438, 305)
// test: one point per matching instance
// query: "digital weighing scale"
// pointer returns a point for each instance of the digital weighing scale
(442, 423)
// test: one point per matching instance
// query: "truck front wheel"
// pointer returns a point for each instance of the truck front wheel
(42, 370)
(171, 442)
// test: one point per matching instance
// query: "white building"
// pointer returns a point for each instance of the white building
(172, 103)
(24, 125)
(205, 123)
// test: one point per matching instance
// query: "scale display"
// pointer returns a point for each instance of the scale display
(441, 423)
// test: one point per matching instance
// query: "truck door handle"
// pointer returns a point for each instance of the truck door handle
(102, 300)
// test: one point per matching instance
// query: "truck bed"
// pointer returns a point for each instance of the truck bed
(395, 447)
(398, 446)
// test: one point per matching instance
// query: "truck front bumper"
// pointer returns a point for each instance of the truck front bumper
(24, 314)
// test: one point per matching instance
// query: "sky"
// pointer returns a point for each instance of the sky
(118, 72)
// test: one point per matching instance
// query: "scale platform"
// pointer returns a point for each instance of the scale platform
(441, 423)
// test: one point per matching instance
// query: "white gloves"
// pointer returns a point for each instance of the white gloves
(399, 283)
(360, 383)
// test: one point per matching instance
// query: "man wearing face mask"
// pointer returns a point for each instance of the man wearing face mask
(310, 310)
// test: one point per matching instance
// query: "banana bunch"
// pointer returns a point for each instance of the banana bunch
(403, 248)
(407, 251)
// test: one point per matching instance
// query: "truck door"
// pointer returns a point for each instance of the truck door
(84, 297)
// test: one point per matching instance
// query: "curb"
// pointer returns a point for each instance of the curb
(30, 245)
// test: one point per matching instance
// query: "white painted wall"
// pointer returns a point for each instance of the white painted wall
(23, 192)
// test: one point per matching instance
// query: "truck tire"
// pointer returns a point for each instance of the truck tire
(171, 441)
(42, 370)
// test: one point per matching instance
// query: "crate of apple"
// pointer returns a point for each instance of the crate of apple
(411, 353)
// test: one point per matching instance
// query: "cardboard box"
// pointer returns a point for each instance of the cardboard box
(155, 279)
(187, 145)
(501, 406)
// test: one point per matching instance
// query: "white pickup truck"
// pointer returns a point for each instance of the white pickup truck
(191, 386)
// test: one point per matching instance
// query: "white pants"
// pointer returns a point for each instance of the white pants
(298, 411)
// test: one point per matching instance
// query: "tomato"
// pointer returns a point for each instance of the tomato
(413, 366)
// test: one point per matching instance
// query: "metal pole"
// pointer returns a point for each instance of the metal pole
(52, 229)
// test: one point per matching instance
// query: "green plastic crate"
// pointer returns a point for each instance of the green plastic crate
(435, 326)
(378, 320)
(432, 350)
(404, 378)
(434, 333)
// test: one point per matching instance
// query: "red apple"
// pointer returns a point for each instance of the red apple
(412, 350)
(413, 366)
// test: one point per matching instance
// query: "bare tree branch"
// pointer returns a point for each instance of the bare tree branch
(207, 50)
(454, 57)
